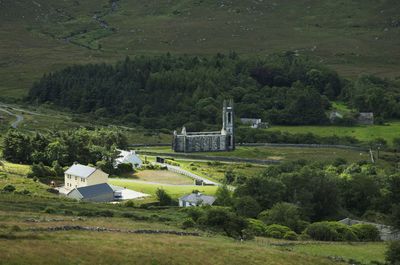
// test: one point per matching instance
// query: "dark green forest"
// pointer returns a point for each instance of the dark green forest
(168, 91)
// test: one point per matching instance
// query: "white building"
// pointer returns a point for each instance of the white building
(195, 199)
(128, 157)
(82, 176)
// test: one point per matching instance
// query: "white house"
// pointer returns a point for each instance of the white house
(128, 157)
(82, 176)
(195, 199)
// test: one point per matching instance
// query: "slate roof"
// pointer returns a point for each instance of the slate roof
(197, 198)
(80, 171)
(95, 190)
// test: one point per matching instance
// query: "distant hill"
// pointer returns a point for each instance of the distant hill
(37, 36)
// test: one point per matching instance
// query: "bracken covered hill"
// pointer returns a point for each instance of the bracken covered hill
(37, 36)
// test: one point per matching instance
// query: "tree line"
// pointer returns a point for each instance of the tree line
(168, 91)
(63, 147)
(312, 192)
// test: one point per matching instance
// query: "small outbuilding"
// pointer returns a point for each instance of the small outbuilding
(196, 199)
(128, 157)
(94, 193)
(365, 118)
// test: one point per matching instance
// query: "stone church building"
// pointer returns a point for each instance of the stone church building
(223, 140)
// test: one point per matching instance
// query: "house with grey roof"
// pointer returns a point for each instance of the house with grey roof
(93, 193)
(196, 199)
(128, 157)
(81, 176)
(365, 118)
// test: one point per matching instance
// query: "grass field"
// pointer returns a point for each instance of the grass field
(162, 176)
(280, 153)
(175, 191)
(353, 37)
(79, 247)
(84, 248)
(362, 133)
(362, 252)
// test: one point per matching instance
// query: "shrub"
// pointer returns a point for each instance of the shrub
(194, 212)
(68, 212)
(291, 235)
(188, 223)
(247, 206)
(129, 204)
(322, 231)
(393, 253)
(163, 197)
(104, 213)
(9, 188)
(257, 227)
(247, 234)
(366, 232)
(286, 214)
(330, 231)
(276, 231)
(223, 219)
(49, 210)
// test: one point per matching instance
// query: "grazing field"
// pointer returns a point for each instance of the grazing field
(353, 37)
(364, 253)
(361, 252)
(216, 170)
(279, 153)
(175, 191)
(162, 176)
(362, 132)
(118, 248)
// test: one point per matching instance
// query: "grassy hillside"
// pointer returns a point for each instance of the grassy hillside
(39, 36)
(20, 214)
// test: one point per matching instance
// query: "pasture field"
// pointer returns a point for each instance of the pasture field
(353, 37)
(162, 176)
(278, 153)
(175, 191)
(362, 252)
(363, 133)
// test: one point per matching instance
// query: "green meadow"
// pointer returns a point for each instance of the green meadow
(361, 132)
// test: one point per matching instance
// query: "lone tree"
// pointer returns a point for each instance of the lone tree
(163, 197)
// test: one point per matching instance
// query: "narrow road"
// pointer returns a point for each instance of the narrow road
(19, 118)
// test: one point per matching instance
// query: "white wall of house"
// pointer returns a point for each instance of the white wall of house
(186, 204)
(72, 182)
(97, 177)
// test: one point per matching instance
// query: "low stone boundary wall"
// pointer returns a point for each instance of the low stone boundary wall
(104, 229)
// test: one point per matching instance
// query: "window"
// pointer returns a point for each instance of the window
(76, 178)
(229, 117)
(82, 179)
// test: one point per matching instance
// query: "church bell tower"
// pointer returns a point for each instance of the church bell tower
(228, 124)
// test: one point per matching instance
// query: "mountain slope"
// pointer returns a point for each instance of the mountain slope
(38, 36)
